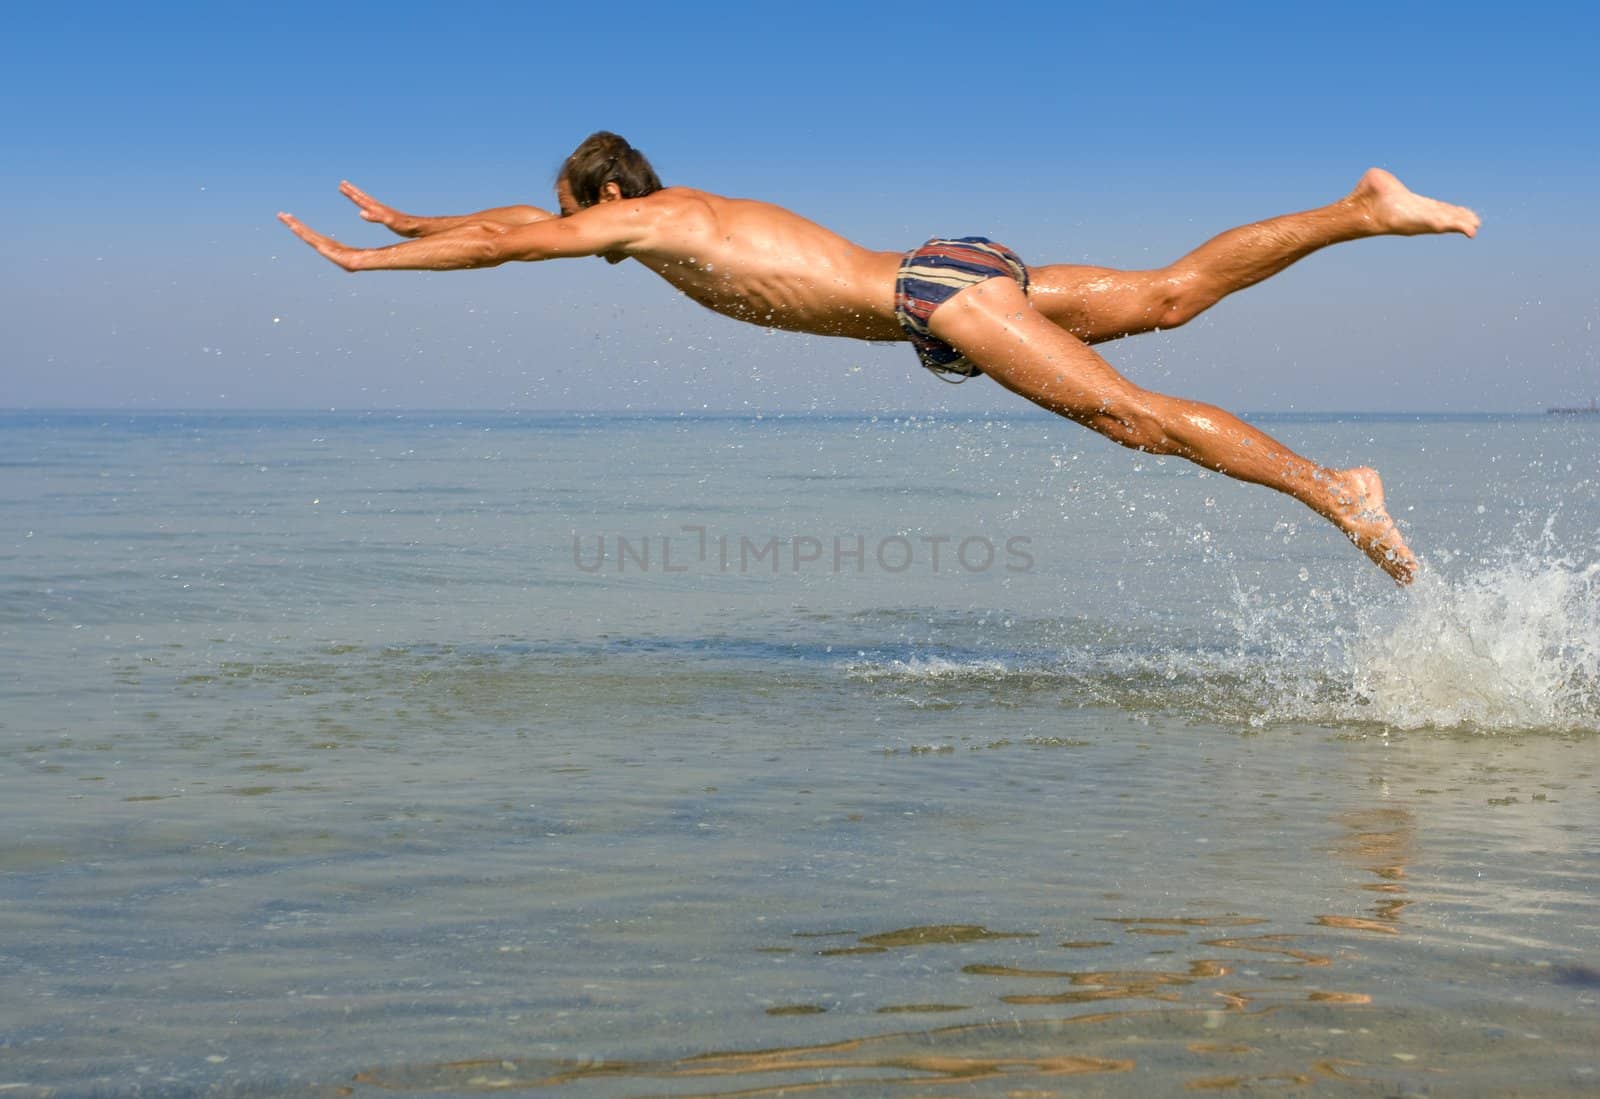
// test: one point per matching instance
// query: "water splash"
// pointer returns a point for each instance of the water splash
(1512, 646)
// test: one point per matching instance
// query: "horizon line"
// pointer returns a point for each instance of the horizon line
(759, 413)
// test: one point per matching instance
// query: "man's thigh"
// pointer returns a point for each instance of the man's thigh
(1097, 304)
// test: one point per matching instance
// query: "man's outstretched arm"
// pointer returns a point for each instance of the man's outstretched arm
(412, 225)
(592, 232)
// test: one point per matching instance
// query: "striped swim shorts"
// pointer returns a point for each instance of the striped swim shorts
(935, 273)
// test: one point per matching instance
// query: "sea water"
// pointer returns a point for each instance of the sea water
(664, 755)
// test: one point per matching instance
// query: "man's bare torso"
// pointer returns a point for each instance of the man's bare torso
(760, 263)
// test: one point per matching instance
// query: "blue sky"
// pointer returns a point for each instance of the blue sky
(148, 146)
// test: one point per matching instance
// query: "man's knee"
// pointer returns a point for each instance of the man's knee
(1175, 299)
(977, 316)
(1128, 419)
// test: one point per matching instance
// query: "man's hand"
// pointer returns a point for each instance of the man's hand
(373, 210)
(485, 239)
(412, 225)
(345, 256)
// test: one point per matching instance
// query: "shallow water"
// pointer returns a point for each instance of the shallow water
(353, 754)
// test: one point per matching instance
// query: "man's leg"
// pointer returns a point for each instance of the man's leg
(1098, 303)
(993, 324)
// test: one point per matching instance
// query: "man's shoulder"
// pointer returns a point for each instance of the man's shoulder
(681, 207)
(682, 196)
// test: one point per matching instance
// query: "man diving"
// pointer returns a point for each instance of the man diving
(968, 306)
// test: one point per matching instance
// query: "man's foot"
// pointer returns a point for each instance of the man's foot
(1395, 210)
(1368, 525)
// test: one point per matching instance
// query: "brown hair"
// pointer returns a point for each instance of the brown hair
(604, 158)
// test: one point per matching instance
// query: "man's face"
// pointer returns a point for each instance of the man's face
(564, 199)
(569, 206)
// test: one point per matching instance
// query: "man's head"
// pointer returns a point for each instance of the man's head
(605, 166)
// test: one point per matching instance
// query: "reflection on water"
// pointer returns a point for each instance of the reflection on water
(916, 936)
(1225, 1017)
(1216, 1027)
(1209, 1012)
(967, 1054)
(1379, 842)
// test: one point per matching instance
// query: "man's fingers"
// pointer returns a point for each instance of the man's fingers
(325, 245)
(356, 194)
(299, 228)
(371, 208)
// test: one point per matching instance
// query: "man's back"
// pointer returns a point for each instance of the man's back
(757, 262)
